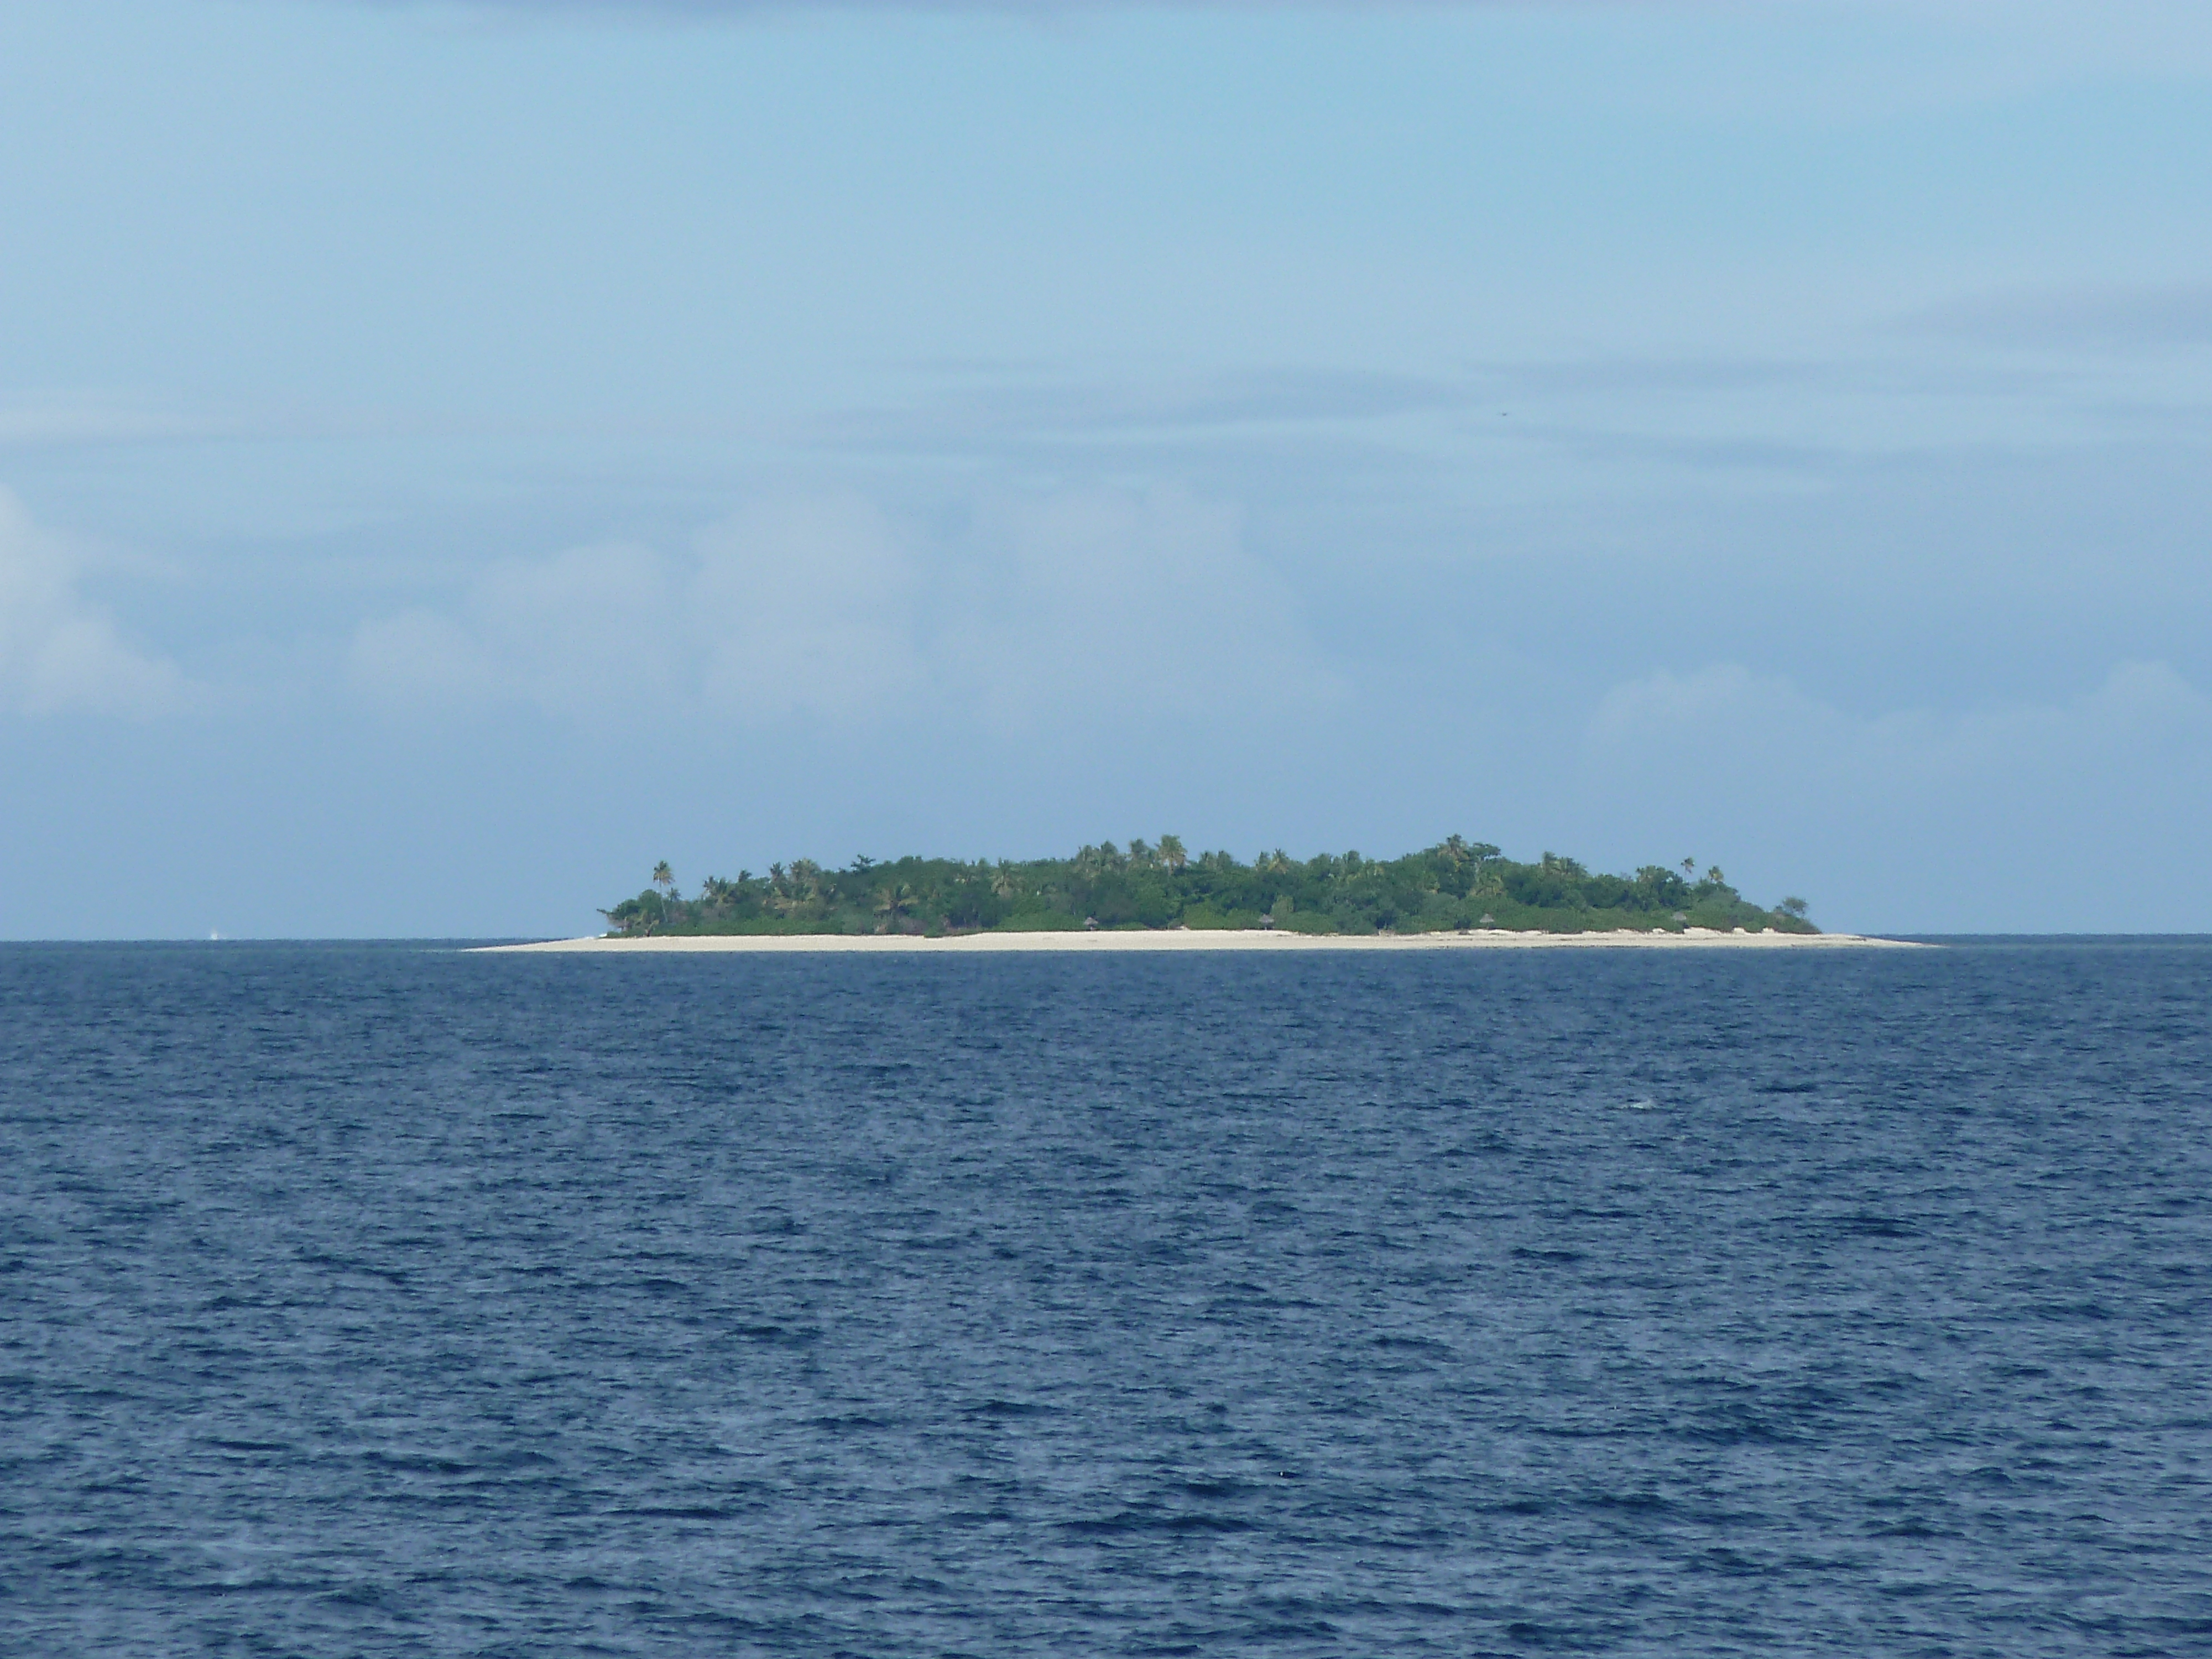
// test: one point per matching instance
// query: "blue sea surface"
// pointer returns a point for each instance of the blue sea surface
(380, 1299)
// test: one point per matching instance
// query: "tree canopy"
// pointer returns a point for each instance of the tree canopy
(1456, 885)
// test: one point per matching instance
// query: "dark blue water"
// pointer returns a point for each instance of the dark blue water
(375, 1300)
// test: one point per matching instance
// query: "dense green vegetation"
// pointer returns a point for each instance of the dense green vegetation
(1453, 884)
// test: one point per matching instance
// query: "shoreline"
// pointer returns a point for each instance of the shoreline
(1165, 939)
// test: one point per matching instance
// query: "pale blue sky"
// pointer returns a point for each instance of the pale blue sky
(454, 456)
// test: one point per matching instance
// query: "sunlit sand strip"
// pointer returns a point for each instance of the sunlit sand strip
(1691, 939)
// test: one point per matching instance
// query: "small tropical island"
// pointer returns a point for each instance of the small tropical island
(1455, 887)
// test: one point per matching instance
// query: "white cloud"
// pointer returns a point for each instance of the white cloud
(1127, 605)
(420, 656)
(588, 633)
(57, 650)
(1097, 602)
(808, 607)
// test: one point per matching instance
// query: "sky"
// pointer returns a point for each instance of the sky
(453, 457)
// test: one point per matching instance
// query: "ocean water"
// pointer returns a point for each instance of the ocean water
(367, 1300)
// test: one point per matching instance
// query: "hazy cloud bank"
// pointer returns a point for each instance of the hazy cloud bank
(2139, 317)
(2140, 705)
(90, 419)
(58, 651)
(2074, 814)
(736, 9)
(826, 610)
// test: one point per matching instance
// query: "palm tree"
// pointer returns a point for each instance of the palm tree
(665, 878)
(1171, 853)
(893, 904)
(1006, 882)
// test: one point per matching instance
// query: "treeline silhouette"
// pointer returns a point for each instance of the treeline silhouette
(1456, 885)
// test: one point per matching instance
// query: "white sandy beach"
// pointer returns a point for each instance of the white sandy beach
(1691, 939)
